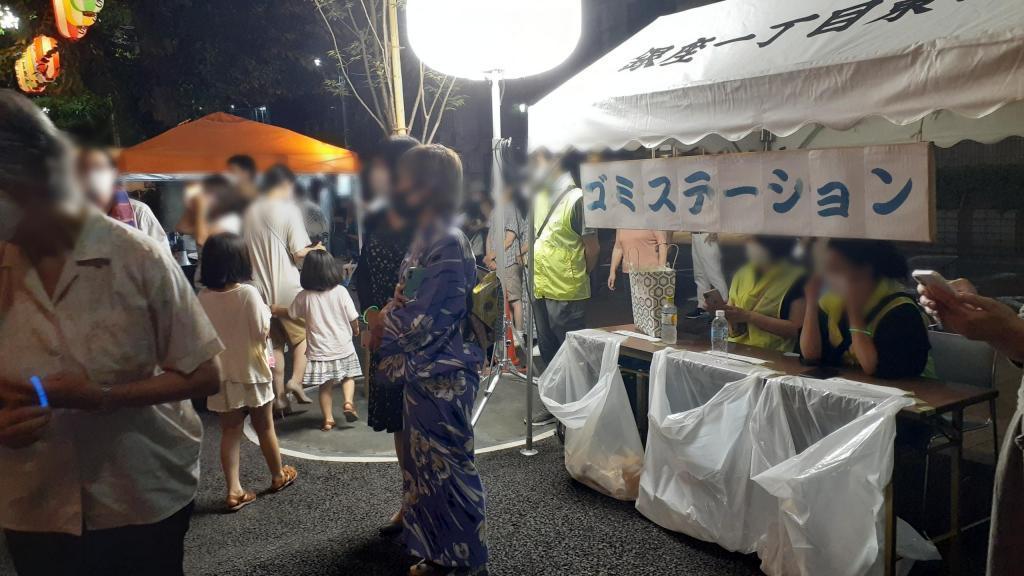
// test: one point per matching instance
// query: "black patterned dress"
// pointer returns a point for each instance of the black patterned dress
(376, 278)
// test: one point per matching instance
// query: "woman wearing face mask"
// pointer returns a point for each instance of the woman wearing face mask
(766, 298)
(98, 175)
(420, 340)
(386, 239)
(865, 319)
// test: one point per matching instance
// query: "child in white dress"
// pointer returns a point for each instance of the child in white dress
(242, 321)
(331, 324)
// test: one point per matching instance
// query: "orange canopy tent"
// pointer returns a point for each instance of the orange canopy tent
(203, 146)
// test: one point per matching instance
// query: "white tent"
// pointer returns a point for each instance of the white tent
(814, 73)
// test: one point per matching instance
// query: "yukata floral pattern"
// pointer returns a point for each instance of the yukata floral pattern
(423, 349)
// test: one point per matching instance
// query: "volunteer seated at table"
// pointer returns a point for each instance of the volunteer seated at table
(766, 298)
(865, 318)
(637, 250)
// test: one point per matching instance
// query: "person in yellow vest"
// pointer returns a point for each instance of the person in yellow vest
(564, 254)
(865, 318)
(766, 298)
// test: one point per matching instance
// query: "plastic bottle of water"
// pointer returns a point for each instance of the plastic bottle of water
(720, 332)
(668, 322)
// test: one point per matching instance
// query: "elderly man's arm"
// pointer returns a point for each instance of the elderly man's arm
(76, 392)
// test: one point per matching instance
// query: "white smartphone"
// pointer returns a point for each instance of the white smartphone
(932, 279)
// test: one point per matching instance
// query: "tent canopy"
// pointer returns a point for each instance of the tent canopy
(203, 146)
(890, 70)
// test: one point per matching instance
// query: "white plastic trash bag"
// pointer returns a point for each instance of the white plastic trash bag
(696, 477)
(583, 388)
(824, 450)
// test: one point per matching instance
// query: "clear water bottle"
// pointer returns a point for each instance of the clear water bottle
(720, 332)
(668, 322)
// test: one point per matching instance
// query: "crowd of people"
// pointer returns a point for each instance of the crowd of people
(106, 342)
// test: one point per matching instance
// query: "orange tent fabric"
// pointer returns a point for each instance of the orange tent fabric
(203, 146)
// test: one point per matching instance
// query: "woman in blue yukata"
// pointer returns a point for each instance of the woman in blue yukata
(421, 342)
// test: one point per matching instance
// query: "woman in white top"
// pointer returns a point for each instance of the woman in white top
(242, 321)
(331, 323)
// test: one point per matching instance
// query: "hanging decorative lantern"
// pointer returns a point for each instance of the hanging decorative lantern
(39, 65)
(46, 58)
(26, 79)
(70, 21)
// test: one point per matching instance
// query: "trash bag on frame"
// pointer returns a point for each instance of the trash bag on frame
(583, 388)
(696, 477)
(824, 451)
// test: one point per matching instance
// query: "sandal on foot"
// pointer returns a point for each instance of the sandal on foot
(328, 426)
(289, 475)
(350, 412)
(236, 503)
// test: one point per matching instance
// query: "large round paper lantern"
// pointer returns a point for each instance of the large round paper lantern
(38, 66)
(479, 39)
(72, 23)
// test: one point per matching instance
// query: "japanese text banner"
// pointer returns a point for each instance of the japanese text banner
(879, 192)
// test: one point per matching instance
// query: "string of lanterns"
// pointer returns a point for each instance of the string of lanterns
(39, 64)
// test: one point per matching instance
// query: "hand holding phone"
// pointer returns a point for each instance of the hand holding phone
(413, 279)
(713, 300)
(933, 281)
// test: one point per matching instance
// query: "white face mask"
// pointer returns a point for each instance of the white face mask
(10, 216)
(101, 184)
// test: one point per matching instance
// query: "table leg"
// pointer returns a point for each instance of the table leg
(956, 459)
(890, 532)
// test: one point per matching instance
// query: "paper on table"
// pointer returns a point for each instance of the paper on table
(884, 390)
(746, 359)
(637, 335)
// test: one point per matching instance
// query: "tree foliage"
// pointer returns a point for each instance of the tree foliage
(361, 38)
(147, 66)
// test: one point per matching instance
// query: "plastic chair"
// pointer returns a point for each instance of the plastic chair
(964, 361)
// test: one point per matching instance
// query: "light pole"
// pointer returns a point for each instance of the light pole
(497, 40)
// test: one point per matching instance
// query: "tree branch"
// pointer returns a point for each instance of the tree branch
(444, 106)
(342, 68)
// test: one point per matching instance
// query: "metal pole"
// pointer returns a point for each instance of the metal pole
(528, 449)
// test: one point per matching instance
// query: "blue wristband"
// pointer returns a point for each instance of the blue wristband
(44, 402)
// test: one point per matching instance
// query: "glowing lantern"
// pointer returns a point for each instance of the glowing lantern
(26, 79)
(38, 66)
(71, 23)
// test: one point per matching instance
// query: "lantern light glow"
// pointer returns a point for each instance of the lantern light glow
(477, 39)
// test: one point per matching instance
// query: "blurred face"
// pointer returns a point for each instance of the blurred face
(757, 254)
(408, 200)
(98, 178)
(35, 219)
(541, 168)
(843, 277)
(238, 175)
(380, 179)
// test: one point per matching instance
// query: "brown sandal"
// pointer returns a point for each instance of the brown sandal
(236, 503)
(290, 475)
(327, 426)
(350, 412)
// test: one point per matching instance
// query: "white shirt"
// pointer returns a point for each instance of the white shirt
(121, 310)
(242, 321)
(328, 317)
(274, 231)
(148, 223)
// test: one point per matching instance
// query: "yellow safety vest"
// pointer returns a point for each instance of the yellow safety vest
(887, 297)
(560, 262)
(764, 294)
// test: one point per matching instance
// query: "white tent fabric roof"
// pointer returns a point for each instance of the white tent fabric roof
(875, 71)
